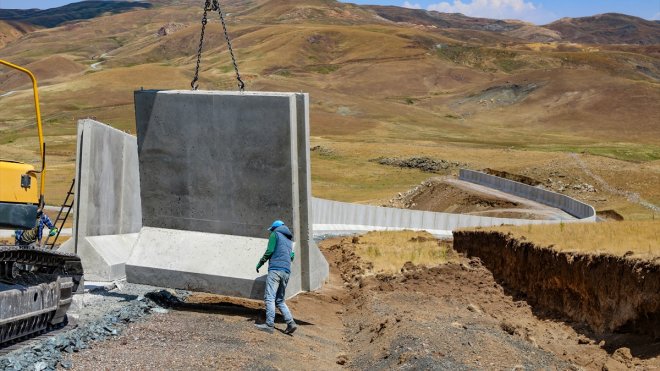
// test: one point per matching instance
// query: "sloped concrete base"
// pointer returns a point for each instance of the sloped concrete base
(198, 261)
(103, 257)
(319, 269)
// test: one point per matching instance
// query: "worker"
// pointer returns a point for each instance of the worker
(279, 255)
(31, 238)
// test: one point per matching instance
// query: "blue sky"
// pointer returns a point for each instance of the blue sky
(536, 11)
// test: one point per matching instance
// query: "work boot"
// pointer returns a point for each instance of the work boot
(265, 328)
(290, 328)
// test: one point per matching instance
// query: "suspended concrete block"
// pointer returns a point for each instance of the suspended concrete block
(216, 168)
(107, 212)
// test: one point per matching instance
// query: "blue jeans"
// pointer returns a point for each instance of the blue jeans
(275, 291)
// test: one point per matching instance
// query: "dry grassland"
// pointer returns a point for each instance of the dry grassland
(639, 239)
(389, 251)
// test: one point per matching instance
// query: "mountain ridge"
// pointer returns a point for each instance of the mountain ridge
(606, 28)
(54, 17)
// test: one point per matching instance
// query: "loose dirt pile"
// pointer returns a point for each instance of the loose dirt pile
(426, 164)
(515, 177)
(436, 194)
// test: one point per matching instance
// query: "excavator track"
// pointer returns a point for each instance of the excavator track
(36, 290)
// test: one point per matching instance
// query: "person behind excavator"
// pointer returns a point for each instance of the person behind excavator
(31, 238)
(279, 255)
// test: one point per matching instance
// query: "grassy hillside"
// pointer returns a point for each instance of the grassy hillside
(70, 12)
(582, 113)
(12, 30)
(610, 28)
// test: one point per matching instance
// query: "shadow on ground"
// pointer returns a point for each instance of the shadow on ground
(241, 308)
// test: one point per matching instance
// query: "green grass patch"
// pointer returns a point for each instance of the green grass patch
(353, 179)
(626, 152)
(509, 65)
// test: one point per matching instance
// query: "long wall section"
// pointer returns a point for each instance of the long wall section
(570, 205)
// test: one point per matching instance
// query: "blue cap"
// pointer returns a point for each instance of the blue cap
(277, 223)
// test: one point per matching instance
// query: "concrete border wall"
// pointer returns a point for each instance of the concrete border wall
(216, 168)
(107, 211)
(334, 217)
(570, 205)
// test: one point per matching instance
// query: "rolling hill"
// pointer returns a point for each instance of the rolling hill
(610, 28)
(383, 81)
(12, 30)
(70, 12)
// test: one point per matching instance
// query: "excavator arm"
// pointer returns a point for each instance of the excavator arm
(20, 196)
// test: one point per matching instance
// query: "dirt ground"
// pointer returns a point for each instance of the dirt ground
(450, 195)
(453, 316)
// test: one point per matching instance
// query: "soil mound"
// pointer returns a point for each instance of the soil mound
(436, 194)
(515, 177)
(426, 164)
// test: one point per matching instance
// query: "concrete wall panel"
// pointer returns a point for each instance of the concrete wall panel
(223, 164)
(217, 162)
(107, 208)
(334, 217)
(572, 206)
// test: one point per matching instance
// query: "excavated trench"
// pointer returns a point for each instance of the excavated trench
(609, 293)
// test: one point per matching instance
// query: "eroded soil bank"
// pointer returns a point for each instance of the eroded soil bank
(610, 293)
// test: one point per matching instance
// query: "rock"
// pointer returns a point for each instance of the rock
(623, 355)
(509, 328)
(584, 340)
(422, 163)
(159, 310)
(39, 366)
(474, 308)
(170, 28)
(66, 364)
(458, 325)
(532, 340)
(342, 359)
(613, 365)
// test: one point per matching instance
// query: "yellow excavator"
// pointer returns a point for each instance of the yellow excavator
(20, 195)
(36, 285)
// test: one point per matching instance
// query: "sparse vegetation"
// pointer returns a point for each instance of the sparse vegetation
(639, 239)
(389, 251)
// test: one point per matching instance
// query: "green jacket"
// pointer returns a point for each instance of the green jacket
(272, 243)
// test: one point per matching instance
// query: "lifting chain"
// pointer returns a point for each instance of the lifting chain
(212, 6)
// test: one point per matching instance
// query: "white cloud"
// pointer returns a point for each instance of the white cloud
(498, 9)
(656, 17)
(407, 4)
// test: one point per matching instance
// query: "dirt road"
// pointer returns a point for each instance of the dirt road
(454, 316)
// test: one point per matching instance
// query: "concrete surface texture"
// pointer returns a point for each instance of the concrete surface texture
(207, 262)
(224, 164)
(334, 217)
(570, 205)
(107, 212)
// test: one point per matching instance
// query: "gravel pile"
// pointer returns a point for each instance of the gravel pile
(104, 314)
(422, 163)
